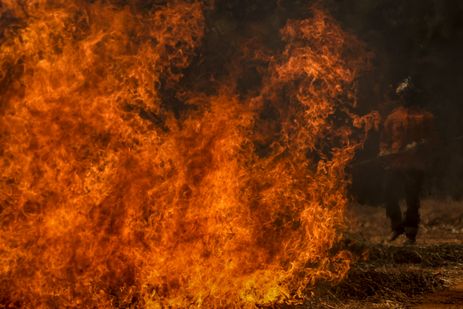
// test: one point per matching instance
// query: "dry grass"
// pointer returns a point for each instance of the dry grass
(393, 275)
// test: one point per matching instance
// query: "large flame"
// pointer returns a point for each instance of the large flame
(111, 198)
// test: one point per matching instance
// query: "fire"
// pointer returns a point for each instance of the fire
(109, 197)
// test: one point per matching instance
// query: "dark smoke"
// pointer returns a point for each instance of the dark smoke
(424, 39)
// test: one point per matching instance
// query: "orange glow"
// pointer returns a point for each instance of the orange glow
(109, 199)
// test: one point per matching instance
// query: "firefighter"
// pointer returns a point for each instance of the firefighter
(405, 146)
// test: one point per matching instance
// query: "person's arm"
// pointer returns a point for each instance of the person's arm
(385, 138)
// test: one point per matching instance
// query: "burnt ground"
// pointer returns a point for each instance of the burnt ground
(394, 275)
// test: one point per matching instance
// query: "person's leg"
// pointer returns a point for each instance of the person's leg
(391, 196)
(413, 185)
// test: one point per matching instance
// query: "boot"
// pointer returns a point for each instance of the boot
(410, 232)
(396, 233)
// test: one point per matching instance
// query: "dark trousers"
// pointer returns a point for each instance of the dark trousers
(408, 183)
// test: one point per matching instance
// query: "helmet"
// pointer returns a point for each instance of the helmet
(404, 86)
(407, 92)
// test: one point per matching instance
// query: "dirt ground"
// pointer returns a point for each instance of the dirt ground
(428, 274)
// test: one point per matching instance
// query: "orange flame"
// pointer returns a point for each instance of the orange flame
(109, 199)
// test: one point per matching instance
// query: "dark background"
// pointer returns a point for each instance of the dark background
(424, 39)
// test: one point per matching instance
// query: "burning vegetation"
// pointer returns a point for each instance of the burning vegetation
(133, 174)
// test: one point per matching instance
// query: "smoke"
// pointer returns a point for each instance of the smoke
(422, 39)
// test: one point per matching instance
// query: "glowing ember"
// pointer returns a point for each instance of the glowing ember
(108, 197)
